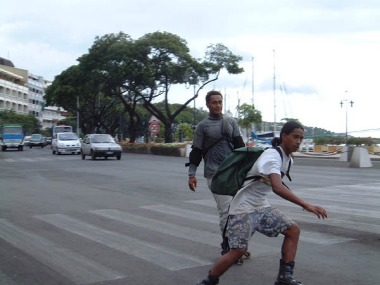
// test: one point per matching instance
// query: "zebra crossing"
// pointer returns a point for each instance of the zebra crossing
(40, 159)
(82, 269)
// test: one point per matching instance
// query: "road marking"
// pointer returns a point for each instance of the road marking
(306, 236)
(159, 255)
(10, 160)
(77, 268)
(25, 159)
(203, 237)
(183, 213)
(4, 280)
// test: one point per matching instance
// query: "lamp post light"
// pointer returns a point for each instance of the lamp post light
(346, 102)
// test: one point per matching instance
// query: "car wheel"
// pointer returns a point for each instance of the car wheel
(52, 151)
(30, 146)
(118, 157)
(93, 156)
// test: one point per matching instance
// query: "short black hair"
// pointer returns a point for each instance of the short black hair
(210, 93)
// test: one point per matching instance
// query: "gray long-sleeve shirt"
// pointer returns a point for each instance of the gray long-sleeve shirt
(207, 133)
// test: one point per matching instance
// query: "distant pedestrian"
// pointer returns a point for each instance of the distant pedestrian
(214, 139)
(250, 211)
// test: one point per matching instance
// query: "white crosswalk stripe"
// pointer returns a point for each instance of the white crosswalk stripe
(161, 256)
(39, 159)
(82, 270)
(77, 268)
(306, 236)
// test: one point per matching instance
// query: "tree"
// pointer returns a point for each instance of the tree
(248, 116)
(29, 121)
(170, 63)
(78, 85)
(141, 72)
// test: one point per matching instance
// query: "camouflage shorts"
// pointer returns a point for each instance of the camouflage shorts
(268, 221)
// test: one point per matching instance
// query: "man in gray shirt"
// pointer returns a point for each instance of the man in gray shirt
(215, 138)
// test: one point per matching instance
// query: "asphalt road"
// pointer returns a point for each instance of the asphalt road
(64, 220)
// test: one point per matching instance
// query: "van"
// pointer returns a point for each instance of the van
(66, 143)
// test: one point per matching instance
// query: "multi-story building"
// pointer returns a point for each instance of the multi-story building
(37, 86)
(24, 93)
(13, 89)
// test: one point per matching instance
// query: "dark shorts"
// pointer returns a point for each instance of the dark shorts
(268, 221)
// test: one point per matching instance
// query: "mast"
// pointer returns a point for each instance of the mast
(253, 84)
(274, 94)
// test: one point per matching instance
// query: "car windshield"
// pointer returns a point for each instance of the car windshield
(36, 136)
(102, 139)
(67, 137)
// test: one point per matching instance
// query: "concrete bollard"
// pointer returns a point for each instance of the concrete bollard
(346, 153)
(360, 158)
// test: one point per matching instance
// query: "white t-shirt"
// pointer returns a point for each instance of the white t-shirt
(252, 195)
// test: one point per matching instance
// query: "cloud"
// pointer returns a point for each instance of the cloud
(322, 47)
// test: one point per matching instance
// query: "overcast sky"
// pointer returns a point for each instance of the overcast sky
(321, 51)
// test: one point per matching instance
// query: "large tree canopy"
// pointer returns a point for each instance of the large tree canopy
(135, 73)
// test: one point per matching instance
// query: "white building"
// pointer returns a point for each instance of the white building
(24, 93)
(37, 86)
(51, 116)
(13, 89)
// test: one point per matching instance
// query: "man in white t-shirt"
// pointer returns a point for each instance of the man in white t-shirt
(250, 211)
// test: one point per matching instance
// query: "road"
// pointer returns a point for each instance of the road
(64, 220)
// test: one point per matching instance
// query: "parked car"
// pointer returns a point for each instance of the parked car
(26, 140)
(37, 140)
(48, 140)
(65, 143)
(307, 146)
(100, 145)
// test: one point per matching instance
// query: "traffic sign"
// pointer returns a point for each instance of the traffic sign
(154, 128)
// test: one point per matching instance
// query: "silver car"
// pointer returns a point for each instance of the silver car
(65, 143)
(100, 145)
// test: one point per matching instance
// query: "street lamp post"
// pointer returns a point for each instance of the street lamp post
(346, 102)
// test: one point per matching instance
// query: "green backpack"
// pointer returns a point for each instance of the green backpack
(231, 174)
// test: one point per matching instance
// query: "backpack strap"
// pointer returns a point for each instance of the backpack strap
(290, 164)
(225, 136)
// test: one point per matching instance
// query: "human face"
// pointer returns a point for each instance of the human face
(215, 105)
(292, 141)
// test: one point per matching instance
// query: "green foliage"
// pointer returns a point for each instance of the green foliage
(248, 115)
(120, 74)
(29, 122)
(339, 140)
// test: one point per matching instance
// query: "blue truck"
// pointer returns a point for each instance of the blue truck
(12, 136)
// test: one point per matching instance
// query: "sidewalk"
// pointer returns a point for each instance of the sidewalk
(327, 155)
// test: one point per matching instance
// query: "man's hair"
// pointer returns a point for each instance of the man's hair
(210, 93)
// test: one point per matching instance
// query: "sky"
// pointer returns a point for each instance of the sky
(301, 58)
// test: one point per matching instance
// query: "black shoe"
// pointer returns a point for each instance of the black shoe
(210, 280)
(285, 274)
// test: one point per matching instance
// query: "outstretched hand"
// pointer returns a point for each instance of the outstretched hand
(192, 183)
(319, 211)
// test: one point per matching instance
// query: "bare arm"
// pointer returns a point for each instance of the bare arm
(285, 193)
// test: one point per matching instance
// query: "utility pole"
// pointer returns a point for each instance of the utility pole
(274, 95)
(346, 102)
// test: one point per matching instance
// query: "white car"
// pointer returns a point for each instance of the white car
(100, 145)
(65, 143)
